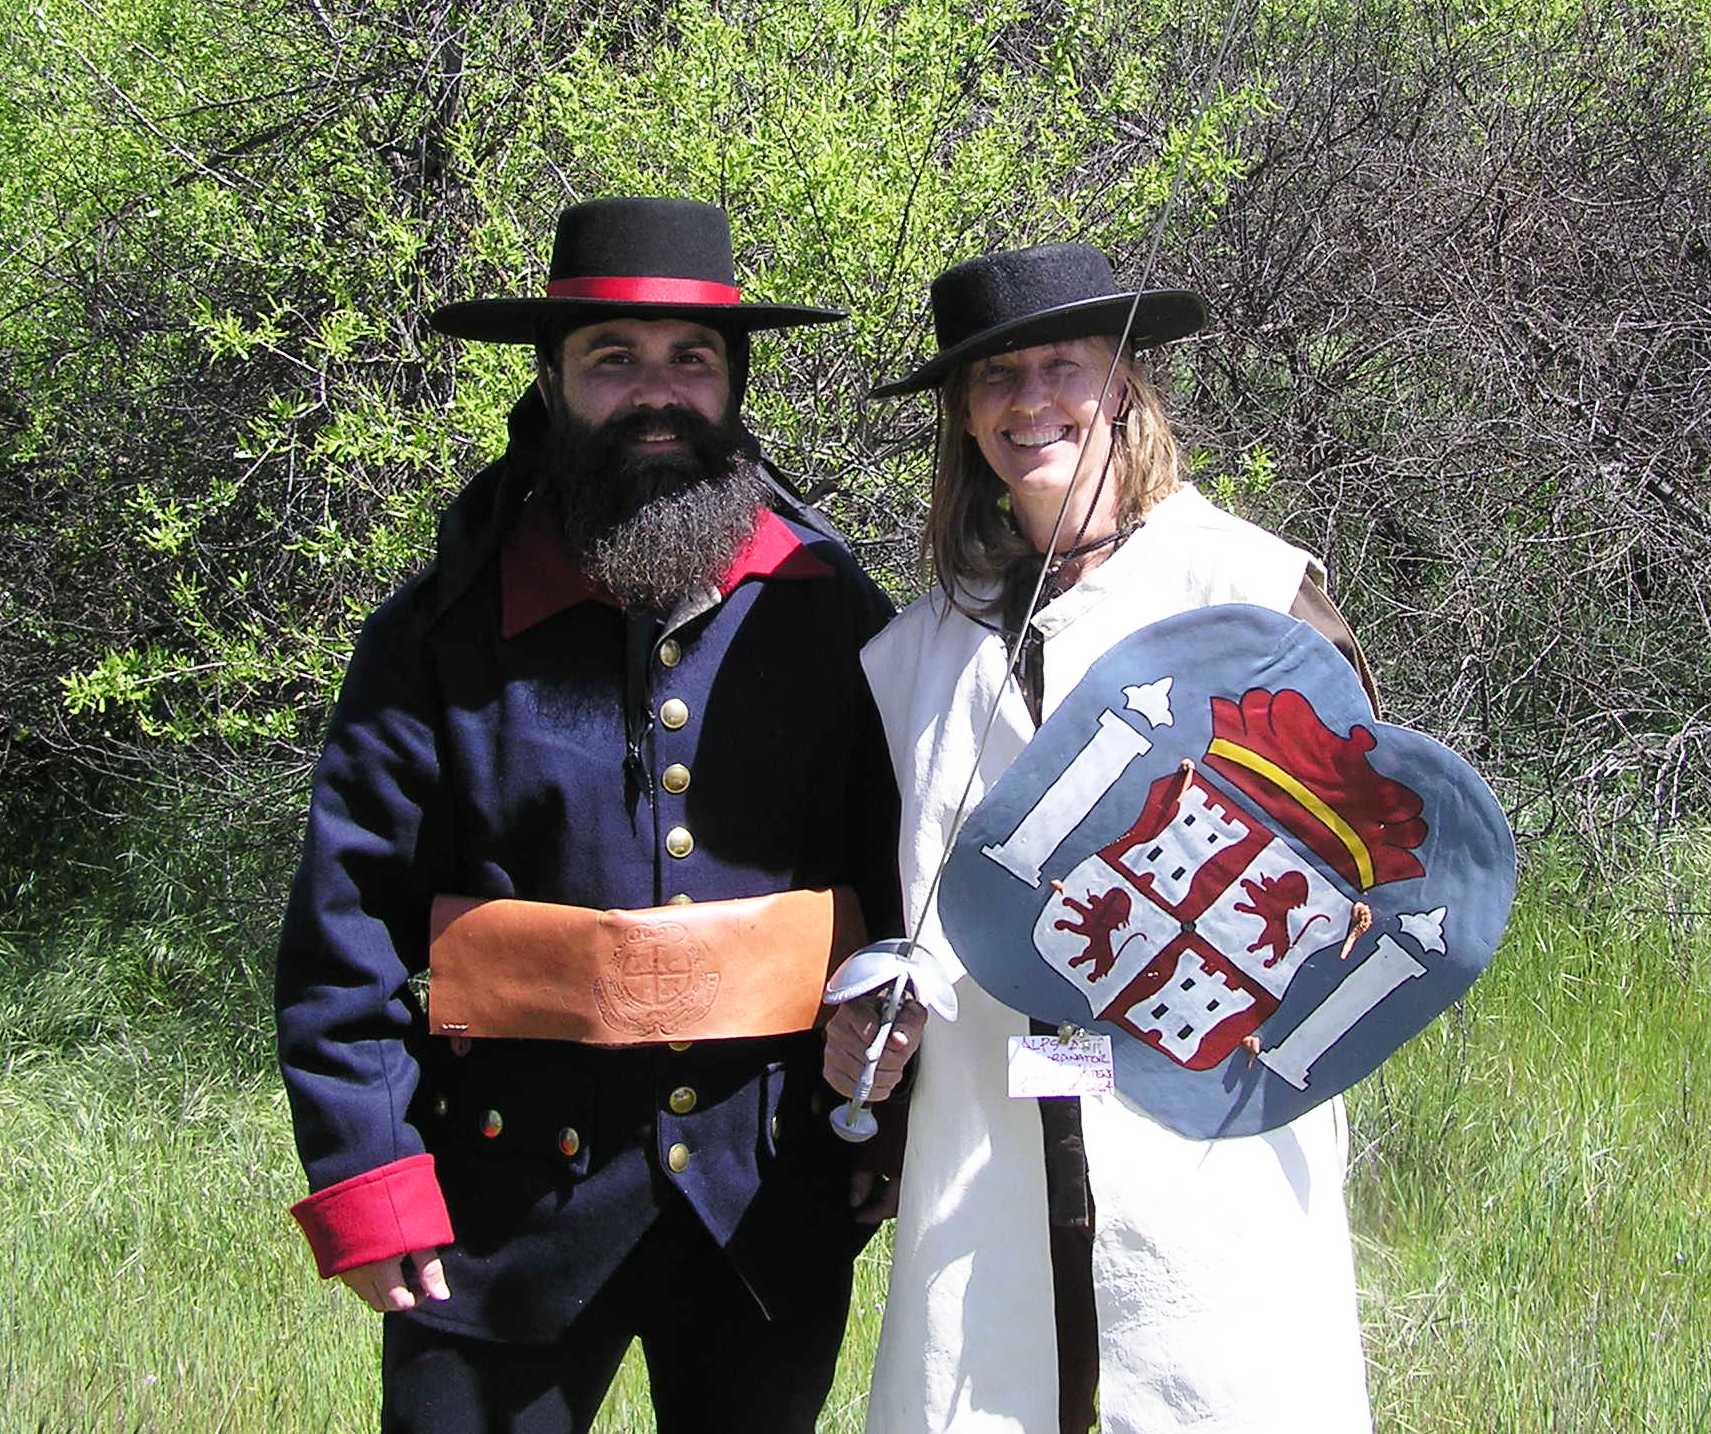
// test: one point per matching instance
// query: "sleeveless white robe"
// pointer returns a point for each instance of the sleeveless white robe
(1223, 1273)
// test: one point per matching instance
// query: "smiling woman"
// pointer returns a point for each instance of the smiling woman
(1041, 417)
(1017, 429)
(1060, 1256)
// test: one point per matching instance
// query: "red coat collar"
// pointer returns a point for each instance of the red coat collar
(537, 578)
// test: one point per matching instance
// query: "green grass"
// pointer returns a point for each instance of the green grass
(157, 1282)
(1532, 1192)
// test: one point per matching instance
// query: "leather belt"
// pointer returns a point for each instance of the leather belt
(755, 966)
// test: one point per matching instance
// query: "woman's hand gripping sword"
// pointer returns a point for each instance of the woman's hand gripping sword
(907, 969)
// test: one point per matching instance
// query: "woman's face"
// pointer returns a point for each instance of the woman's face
(1030, 413)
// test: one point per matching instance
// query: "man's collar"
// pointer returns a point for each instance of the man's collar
(537, 578)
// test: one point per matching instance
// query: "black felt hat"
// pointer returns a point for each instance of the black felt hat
(1052, 292)
(646, 258)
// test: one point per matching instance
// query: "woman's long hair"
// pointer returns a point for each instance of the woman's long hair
(971, 541)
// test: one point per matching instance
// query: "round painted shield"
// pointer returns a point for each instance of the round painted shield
(1212, 853)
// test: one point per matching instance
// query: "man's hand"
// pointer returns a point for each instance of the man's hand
(851, 1031)
(385, 1288)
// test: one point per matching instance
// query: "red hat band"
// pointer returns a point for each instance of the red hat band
(645, 289)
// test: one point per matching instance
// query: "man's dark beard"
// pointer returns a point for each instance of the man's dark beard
(653, 527)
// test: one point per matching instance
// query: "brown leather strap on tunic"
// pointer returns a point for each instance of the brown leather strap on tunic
(1313, 605)
(536, 970)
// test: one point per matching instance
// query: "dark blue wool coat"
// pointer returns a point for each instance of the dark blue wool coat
(479, 749)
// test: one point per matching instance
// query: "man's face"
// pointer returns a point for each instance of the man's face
(637, 369)
(644, 462)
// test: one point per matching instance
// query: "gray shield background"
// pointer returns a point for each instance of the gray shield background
(1224, 651)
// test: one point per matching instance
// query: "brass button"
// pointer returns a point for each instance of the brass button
(775, 1128)
(441, 1107)
(569, 1142)
(674, 712)
(681, 1100)
(678, 1158)
(679, 1046)
(491, 1124)
(670, 654)
(683, 898)
(678, 842)
(675, 778)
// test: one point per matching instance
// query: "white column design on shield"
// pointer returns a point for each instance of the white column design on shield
(1069, 799)
(1362, 989)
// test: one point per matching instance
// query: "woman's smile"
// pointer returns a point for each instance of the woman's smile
(1037, 438)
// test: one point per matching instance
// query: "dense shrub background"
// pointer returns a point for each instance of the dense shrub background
(1458, 255)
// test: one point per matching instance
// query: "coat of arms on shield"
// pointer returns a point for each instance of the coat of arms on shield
(1214, 853)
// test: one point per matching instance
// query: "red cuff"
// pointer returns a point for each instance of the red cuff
(377, 1215)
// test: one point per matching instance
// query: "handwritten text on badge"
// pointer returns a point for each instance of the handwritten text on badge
(1053, 1066)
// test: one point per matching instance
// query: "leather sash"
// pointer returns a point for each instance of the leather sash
(755, 966)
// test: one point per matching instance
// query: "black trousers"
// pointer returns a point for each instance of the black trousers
(1077, 1328)
(1069, 1199)
(715, 1362)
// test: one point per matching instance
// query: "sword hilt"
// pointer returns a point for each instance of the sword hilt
(853, 1121)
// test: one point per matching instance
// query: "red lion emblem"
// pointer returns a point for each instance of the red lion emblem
(1102, 916)
(1273, 898)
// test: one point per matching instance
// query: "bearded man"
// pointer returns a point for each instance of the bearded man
(610, 762)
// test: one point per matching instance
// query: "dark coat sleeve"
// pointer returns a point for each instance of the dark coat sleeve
(873, 803)
(355, 930)
(875, 813)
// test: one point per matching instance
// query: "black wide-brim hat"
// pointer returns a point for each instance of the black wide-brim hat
(1047, 294)
(630, 258)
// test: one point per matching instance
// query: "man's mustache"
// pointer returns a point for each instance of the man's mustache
(656, 423)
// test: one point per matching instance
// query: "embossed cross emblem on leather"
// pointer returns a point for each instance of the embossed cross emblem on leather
(656, 981)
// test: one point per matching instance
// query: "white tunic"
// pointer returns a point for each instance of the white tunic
(1223, 1274)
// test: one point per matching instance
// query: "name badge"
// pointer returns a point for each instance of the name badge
(1054, 1066)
